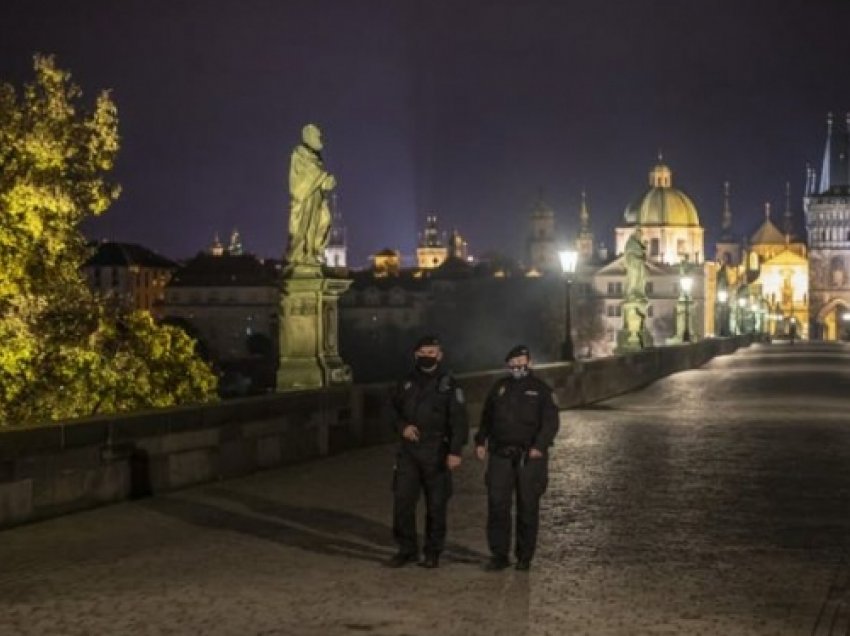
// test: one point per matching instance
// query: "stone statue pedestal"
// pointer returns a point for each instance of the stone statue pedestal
(634, 335)
(309, 330)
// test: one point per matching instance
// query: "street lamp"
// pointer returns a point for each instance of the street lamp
(569, 260)
(742, 302)
(687, 283)
(723, 298)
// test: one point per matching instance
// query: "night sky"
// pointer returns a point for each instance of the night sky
(465, 108)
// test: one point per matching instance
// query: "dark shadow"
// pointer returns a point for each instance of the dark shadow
(318, 530)
(140, 474)
(599, 406)
(205, 515)
(326, 521)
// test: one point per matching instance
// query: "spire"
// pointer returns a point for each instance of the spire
(834, 173)
(584, 213)
(217, 249)
(584, 242)
(806, 186)
(726, 223)
(787, 224)
(767, 210)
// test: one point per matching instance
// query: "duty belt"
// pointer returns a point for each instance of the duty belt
(510, 451)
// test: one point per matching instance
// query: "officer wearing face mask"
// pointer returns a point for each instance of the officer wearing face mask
(518, 425)
(429, 414)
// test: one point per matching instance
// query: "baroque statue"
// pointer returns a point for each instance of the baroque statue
(309, 214)
(635, 259)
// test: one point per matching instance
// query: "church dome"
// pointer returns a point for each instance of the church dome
(662, 204)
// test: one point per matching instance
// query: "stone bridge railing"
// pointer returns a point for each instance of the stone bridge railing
(53, 469)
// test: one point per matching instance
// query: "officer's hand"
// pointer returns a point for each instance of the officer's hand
(481, 452)
(453, 461)
(533, 453)
(410, 432)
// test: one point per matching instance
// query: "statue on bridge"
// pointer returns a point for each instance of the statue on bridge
(309, 302)
(635, 261)
(634, 335)
(309, 215)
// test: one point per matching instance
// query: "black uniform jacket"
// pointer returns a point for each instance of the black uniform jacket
(519, 413)
(434, 403)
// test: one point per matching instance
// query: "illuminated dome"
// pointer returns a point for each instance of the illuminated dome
(662, 204)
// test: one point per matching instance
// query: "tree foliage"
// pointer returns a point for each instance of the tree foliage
(64, 353)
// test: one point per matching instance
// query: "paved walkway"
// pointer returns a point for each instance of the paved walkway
(716, 501)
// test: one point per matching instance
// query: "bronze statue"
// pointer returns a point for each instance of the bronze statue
(309, 185)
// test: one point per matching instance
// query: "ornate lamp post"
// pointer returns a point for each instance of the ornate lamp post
(569, 260)
(742, 302)
(687, 283)
(723, 298)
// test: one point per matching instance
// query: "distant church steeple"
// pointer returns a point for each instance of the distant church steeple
(584, 242)
(727, 249)
(217, 249)
(726, 221)
(787, 220)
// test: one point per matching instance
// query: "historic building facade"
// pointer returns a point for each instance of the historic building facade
(228, 302)
(668, 220)
(128, 273)
(827, 209)
(671, 230)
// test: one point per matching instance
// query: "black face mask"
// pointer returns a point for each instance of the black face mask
(426, 363)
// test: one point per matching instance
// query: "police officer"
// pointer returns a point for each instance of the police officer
(518, 424)
(429, 414)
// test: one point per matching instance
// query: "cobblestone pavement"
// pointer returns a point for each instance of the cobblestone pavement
(712, 502)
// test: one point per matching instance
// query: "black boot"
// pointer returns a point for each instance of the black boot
(401, 559)
(496, 564)
(523, 565)
(430, 561)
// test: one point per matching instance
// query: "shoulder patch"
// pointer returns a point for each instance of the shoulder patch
(501, 390)
(554, 398)
(407, 385)
(459, 396)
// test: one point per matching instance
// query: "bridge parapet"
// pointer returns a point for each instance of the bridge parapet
(54, 469)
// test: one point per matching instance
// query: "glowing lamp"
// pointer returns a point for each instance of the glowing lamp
(569, 260)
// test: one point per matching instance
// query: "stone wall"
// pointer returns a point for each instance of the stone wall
(54, 469)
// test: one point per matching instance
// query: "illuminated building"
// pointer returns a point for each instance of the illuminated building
(668, 220)
(432, 250)
(827, 207)
(672, 233)
(778, 277)
(129, 273)
(385, 263)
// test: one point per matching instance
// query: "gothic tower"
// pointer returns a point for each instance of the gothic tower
(827, 209)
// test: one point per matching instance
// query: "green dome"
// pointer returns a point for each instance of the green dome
(662, 204)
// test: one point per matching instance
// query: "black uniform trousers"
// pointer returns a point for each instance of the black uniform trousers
(528, 478)
(421, 466)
